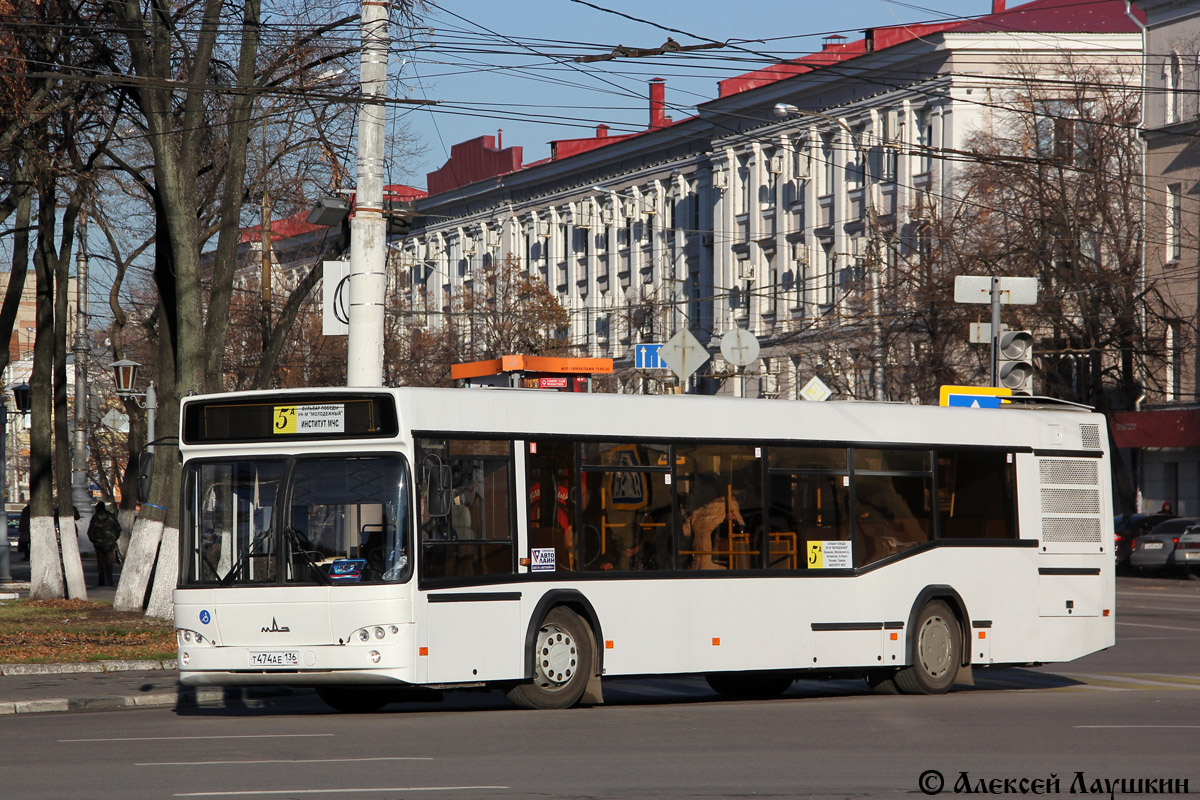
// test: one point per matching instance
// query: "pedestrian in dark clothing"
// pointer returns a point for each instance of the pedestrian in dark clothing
(103, 532)
(23, 533)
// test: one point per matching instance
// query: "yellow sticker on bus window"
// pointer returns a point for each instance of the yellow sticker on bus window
(285, 419)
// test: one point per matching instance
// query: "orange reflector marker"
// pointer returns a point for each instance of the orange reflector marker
(422, 651)
(895, 636)
(608, 644)
(524, 562)
(1106, 612)
(983, 634)
(716, 641)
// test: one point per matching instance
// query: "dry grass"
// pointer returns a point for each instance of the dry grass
(54, 631)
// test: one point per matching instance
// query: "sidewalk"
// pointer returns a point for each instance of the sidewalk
(109, 685)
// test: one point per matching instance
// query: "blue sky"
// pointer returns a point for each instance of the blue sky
(509, 66)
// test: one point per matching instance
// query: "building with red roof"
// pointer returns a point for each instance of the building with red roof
(736, 217)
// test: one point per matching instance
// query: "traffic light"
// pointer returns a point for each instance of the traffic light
(1016, 361)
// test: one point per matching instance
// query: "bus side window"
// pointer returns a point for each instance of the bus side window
(475, 536)
(975, 495)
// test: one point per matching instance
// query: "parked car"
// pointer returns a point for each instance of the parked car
(1155, 551)
(1128, 527)
(1187, 551)
(14, 529)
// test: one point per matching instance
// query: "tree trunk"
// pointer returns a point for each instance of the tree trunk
(139, 563)
(46, 577)
(68, 533)
(45, 568)
(166, 575)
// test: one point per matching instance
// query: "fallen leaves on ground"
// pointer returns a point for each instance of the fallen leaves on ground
(55, 631)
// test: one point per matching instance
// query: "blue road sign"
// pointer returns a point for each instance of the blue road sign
(973, 400)
(645, 356)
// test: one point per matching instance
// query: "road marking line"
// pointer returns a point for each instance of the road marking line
(1184, 680)
(1157, 608)
(1121, 682)
(1159, 627)
(1189, 727)
(280, 761)
(380, 790)
(190, 738)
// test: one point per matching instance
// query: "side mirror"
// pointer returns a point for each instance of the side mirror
(145, 475)
(437, 488)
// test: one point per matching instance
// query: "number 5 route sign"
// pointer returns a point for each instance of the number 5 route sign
(974, 396)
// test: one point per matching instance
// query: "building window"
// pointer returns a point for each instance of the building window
(743, 185)
(826, 186)
(1173, 388)
(1171, 80)
(856, 167)
(924, 125)
(1174, 222)
(824, 274)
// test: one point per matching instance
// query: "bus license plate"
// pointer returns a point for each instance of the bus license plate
(275, 658)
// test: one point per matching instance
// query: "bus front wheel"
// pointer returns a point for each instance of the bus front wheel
(937, 650)
(562, 663)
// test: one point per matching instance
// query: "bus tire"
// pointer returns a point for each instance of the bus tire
(562, 663)
(749, 685)
(936, 651)
(883, 681)
(352, 701)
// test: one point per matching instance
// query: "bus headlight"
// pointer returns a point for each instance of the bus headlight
(185, 636)
(384, 634)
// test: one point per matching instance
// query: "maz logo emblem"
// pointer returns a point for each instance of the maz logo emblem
(275, 627)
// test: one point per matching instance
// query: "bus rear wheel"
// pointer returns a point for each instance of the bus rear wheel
(937, 651)
(749, 685)
(352, 701)
(562, 663)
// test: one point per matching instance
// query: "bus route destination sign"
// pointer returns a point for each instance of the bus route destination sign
(323, 418)
(829, 555)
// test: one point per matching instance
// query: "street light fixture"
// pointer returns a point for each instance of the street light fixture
(786, 110)
(125, 375)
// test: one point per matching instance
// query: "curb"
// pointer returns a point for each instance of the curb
(120, 665)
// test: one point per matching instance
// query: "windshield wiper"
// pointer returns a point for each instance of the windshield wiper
(235, 571)
(298, 541)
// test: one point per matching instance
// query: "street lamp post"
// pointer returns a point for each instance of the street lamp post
(21, 398)
(125, 375)
(785, 110)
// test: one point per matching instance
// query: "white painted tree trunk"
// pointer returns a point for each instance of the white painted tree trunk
(125, 517)
(139, 562)
(45, 568)
(166, 574)
(72, 565)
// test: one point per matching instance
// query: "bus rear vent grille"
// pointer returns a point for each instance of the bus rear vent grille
(1089, 436)
(1070, 501)
(1055, 529)
(1057, 470)
(1070, 494)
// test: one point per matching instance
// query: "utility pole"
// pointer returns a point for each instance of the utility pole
(368, 230)
(80, 496)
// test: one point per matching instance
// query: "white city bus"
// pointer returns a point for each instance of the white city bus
(373, 543)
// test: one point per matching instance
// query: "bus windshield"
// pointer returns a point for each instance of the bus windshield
(332, 520)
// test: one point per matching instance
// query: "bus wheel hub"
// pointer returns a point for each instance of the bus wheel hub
(557, 656)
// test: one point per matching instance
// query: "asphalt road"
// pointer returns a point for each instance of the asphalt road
(1131, 713)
